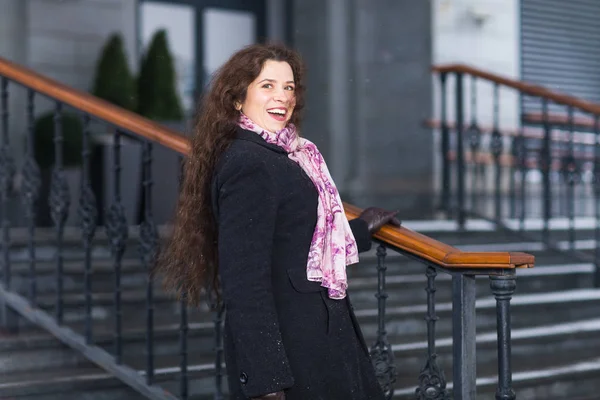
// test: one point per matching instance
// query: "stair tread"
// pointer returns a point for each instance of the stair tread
(549, 372)
(104, 297)
(361, 282)
(75, 266)
(584, 326)
(362, 311)
(403, 343)
(489, 302)
(36, 337)
(83, 373)
(204, 362)
(403, 273)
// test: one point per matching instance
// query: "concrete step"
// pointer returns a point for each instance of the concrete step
(549, 293)
(27, 358)
(34, 349)
(405, 289)
(531, 347)
(577, 340)
(403, 286)
(530, 350)
(93, 383)
(475, 229)
(133, 307)
(57, 372)
(67, 384)
(403, 318)
(46, 236)
(133, 275)
(478, 227)
(526, 311)
(577, 380)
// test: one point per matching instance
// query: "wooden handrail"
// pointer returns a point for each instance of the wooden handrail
(526, 88)
(94, 106)
(421, 246)
(442, 254)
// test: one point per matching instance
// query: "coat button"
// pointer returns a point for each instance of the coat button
(243, 378)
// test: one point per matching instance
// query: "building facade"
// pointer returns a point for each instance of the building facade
(369, 68)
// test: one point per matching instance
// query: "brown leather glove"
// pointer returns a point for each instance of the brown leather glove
(376, 217)
(271, 396)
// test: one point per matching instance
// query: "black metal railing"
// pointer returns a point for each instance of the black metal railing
(76, 238)
(529, 173)
(431, 381)
(100, 243)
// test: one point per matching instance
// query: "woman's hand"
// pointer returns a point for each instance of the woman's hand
(271, 396)
(376, 217)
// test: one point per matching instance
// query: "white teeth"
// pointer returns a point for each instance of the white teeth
(280, 112)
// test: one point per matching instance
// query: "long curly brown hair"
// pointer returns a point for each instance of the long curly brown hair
(188, 261)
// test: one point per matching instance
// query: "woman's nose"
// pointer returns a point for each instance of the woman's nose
(279, 95)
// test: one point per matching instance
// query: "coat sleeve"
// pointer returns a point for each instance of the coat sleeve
(247, 208)
(361, 233)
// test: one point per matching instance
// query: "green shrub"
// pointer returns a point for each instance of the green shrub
(72, 133)
(114, 81)
(157, 93)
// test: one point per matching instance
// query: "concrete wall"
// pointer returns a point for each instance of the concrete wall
(66, 37)
(14, 46)
(62, 40)
(13, 30)
(492, 45)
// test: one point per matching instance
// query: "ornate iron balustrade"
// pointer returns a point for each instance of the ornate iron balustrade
(118, 232)
(463, 268)
(519, 172)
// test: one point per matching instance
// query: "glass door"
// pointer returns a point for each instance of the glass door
(179, 21)
(202, 35)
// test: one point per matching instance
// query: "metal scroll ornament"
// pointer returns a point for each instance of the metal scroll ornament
(88, 212)
(382, 358)
(432, 383)
(148, 242)
(116, 229)
(7, 170)
(60, 199)
(31, 186)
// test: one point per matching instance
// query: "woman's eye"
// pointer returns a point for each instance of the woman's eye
(290, 88)
(267, 86)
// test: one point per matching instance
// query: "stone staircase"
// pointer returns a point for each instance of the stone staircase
(555, 323)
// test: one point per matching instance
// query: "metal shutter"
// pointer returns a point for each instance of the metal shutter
(560, 48)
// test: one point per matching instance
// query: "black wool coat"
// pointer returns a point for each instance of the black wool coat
(282, 332)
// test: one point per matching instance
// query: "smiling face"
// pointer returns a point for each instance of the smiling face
(270, 98)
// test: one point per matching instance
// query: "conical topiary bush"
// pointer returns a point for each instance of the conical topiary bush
(114, 81)
(158, 97)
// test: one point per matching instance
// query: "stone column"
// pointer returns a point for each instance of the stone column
(14, 47)
(370, 91)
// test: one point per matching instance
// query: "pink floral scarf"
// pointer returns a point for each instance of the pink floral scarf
(333, 245)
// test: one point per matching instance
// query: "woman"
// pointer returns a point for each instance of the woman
(260, 225)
